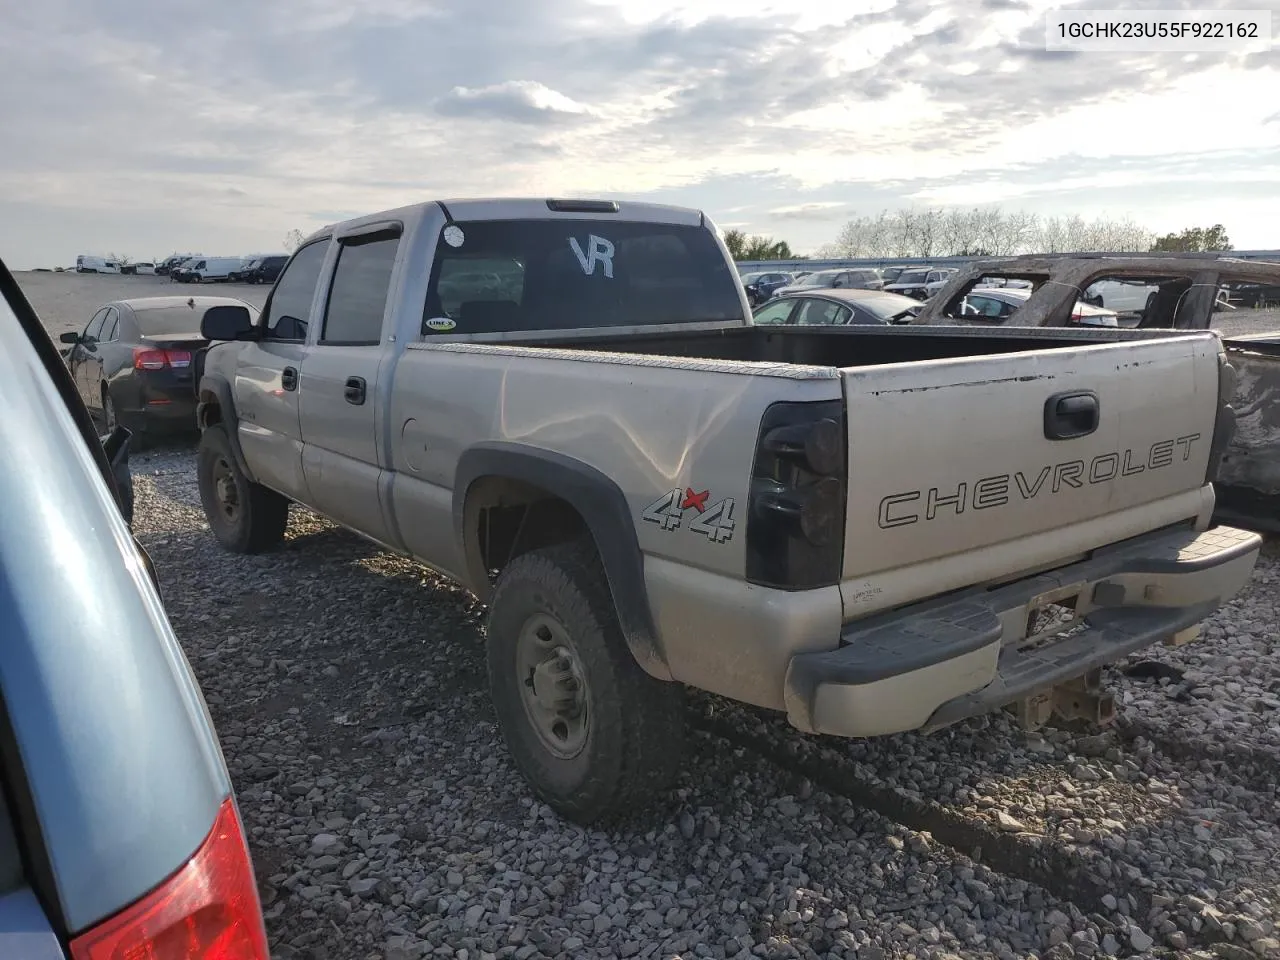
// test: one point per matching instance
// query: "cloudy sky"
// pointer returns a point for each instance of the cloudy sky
(146, 127)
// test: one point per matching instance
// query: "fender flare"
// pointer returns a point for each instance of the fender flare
(600, 503)
(220, 388)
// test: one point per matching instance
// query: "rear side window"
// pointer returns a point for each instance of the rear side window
(110, 326)
(290, 307)
(561, 274)
(358, 294)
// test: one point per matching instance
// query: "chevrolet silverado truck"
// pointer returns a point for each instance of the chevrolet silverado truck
(564, 406)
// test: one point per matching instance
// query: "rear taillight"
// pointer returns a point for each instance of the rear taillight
(795, 526)
(1224, 426)
(208, 910)
(160, 359)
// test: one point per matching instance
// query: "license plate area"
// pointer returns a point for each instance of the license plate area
(1053, 616)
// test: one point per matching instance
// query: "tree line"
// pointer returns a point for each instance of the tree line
(981, 232)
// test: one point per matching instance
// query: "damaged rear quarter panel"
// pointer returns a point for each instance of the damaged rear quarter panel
(1253, 457)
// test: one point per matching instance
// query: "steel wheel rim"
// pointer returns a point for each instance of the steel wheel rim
(226, 494)
(552, 686)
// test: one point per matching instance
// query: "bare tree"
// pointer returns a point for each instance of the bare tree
(293, 239)
(982, 231)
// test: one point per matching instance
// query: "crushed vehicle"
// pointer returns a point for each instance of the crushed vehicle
(1178, 292)
(563, 405)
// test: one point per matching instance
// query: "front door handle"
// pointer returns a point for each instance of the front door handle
(289, 378)
(1070, 415)
(355, 390)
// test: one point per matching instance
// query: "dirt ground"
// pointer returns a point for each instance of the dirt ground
(66, 301)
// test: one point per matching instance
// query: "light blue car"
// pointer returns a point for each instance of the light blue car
(119, 832)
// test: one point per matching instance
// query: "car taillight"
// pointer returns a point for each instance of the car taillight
(159, 359)
(795, 526)
(208, 910)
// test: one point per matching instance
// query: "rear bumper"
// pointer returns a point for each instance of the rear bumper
(931, 665)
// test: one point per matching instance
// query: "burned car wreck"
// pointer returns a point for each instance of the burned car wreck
(1151, 294)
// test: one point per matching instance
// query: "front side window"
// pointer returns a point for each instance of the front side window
(93, 330)
(564, 274)
(358, 294)
(290, 307)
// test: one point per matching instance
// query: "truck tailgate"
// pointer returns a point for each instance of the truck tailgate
(947, 457)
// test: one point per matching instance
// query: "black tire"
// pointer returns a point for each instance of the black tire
(244, 516)
(195, 278)
(111, 419)
(634, 737)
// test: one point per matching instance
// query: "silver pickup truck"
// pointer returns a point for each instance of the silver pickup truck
(564, 406)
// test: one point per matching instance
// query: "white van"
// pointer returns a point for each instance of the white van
(204, 269)
(88, 264)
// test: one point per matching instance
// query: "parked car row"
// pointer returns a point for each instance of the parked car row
(919, 283)
(192, 267)
(262, 268)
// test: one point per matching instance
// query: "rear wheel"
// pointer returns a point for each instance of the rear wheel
(594, 735)
(246, 517)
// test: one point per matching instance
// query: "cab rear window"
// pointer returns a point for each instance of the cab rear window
(563, 274)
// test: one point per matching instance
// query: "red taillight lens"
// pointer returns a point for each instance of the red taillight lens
(159, 359)
(208, 910)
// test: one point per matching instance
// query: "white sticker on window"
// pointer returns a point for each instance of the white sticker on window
(454, 236)
(440, 323)
(599, 250)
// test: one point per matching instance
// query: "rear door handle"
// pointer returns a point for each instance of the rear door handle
(289, 378)
(355, 390)
(1072, 414)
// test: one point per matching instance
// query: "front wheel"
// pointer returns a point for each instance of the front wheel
(246, 517)
(594, 735)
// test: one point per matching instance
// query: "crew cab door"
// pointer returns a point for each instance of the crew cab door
(268, 375)
(340, 411)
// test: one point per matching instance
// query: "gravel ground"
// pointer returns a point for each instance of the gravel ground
(386, 821)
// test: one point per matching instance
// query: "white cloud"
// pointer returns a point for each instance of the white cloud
(248, 120)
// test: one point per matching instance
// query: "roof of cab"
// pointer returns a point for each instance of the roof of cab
(525, 208)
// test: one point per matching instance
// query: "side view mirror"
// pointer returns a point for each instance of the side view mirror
(227, 322)
(69, 338)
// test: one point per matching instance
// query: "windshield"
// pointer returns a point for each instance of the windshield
(817, 279)
(912, 276)
(508, 275)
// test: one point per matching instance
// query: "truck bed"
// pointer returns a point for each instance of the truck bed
(854, 346)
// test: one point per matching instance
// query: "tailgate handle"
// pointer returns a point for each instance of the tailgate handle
(1070, 415)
